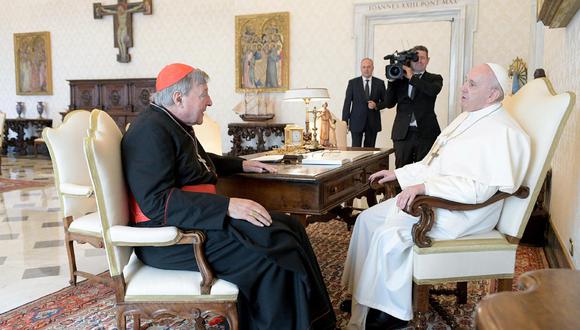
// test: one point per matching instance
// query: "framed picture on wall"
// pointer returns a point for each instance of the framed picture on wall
(32, 63)
(262, 52)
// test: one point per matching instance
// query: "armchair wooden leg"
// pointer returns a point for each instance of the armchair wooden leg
(72, 265)
(504, 284)
(421, 304)
(232, 316)
(461, 292)
(136, 321)
(199, 323)
(121, 319)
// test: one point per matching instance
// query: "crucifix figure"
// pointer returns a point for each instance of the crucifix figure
(122, 20)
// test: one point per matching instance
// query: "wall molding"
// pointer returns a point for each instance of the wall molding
(461, 13)
(555, 251)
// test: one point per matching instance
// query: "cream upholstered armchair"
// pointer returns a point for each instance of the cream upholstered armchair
(141, 289)
(74, 188)
(2, 121)
(543, 115)
(209, 135)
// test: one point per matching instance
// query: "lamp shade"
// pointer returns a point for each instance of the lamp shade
(303, 94)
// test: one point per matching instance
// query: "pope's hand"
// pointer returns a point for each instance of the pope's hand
(383, 176)
(250, 211)
(257, 167)
(407, 196)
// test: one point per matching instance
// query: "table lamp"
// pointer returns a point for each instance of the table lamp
(307, 95)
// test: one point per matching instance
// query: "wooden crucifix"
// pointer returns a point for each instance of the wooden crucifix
(123, 23)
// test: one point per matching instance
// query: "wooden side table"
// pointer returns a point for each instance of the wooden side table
(257, 131)
(550, 299)
(19, 126)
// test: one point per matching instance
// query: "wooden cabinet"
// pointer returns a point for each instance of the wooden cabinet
(123, 99)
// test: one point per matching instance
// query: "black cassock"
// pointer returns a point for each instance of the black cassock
(275, 269)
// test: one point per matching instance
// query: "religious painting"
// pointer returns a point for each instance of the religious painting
(262, 52)
(33, 65)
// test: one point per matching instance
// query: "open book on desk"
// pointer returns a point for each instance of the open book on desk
(333, 157)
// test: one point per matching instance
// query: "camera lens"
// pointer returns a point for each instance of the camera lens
(394, 71)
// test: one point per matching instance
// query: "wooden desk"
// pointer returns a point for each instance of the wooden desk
(19, 126)
(312, 192)
(550, 300)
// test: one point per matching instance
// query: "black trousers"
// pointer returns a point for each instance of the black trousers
(275, 269)
(412, 149)
(370, 138)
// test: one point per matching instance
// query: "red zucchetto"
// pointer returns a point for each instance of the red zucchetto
(171, 74)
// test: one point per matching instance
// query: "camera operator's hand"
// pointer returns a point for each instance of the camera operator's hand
(408, 72)
(372, 105)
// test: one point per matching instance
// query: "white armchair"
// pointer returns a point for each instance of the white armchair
(2, 121)
(209, 135)
(74, 188)
(141, 289)
(543, 115)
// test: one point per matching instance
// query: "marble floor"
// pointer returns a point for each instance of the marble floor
(33, 259)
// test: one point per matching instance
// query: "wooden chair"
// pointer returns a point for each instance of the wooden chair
(74, 188)
(141, 289)
(543, 115)
(2, 121)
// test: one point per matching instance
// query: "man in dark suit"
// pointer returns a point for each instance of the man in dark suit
(415, 127)
(365, 96)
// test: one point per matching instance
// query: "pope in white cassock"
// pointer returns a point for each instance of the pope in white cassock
(482, 151)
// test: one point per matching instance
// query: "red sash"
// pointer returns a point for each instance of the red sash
(138, 216)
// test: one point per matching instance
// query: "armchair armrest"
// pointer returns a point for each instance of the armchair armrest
(135, 236)
(167, 236)
(422, 207)
(72, 189)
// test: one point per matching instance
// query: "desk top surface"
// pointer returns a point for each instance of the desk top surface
(300, 172)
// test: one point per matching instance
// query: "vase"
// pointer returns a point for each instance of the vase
(40, 109)
(19, 108)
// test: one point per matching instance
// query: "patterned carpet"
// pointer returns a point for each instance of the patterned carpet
(91, 305)
(11, 184)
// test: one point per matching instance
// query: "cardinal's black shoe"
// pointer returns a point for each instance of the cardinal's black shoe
(378, 320)
(346, 305)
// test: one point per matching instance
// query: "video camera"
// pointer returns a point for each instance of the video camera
(394, 70)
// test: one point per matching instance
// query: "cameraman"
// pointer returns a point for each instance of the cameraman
(365, 96)
(415, 127)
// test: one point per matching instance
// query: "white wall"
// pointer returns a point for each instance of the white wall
(201, 33)
(322, 54)
(561, 51)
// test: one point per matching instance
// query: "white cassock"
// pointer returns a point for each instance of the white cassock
(478, 154)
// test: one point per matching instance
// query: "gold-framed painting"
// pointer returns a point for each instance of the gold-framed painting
(33, 63)
(262, 52)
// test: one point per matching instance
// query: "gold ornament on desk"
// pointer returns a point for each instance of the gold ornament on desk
(293, 136)
(308, 95)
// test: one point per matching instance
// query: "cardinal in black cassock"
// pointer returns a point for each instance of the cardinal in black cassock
(172, 180)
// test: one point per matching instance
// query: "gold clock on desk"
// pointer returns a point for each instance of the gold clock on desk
(293, 135)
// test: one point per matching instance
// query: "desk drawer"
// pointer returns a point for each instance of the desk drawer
(345, 185)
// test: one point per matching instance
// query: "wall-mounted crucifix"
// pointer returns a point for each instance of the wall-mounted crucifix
(123, 23)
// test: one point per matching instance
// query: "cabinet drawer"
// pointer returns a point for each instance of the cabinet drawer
(339, 187)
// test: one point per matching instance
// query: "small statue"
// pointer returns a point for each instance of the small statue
(327, 126)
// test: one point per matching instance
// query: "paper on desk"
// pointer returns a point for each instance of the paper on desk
(334, 157)
(269, 158)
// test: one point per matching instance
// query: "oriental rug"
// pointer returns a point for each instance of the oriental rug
(11, 184)
(92, 305)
